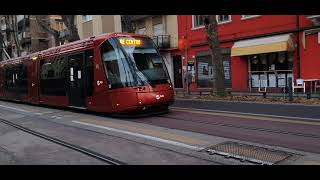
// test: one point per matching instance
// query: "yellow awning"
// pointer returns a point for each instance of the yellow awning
(263, 45)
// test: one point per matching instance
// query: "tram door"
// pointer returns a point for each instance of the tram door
(2, 81)
(76, 80)
(34, 90)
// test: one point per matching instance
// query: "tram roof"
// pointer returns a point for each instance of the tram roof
(69, 47)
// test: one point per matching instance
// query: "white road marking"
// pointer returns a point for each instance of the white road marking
(8, 107)
(143, 136)
(249, 114)
(42, 113)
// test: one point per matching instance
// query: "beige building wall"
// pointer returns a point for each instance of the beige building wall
(117, 23)
(171, 27)
(149, 27)
(170, 23)
(98, 25)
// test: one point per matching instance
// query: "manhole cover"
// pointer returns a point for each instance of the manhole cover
(250, 153)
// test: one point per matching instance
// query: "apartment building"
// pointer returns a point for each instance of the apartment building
(22, 34)
(163, 29)
(92, 25)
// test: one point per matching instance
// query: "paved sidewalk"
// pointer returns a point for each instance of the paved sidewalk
(301, 111)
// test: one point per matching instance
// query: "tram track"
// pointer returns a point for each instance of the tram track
(116, 136)
(68, 145)
(276, 131)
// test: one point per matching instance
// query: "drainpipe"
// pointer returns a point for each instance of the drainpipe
(298, 47)
(186, 56)
(1, 45)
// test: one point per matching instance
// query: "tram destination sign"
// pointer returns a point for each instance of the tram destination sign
(130, 41)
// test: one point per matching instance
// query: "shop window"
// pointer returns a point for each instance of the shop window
(53, 77)
(274, 67)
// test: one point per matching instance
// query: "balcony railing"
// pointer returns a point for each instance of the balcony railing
(162, 41)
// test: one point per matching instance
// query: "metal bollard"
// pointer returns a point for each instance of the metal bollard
(264, 95)
(308, 95)
(290, 89)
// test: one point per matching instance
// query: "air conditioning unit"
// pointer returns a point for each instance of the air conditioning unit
(315, 19)
(20, 36)
(3, 27)
(64, 33)
(26, 34)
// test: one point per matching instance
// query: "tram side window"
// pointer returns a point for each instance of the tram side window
(21, 79)
(53, 76)
(119, 71)
(9, 83)
(89, 72)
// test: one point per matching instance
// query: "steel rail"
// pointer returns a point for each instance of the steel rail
(83, 150)
(277, 131)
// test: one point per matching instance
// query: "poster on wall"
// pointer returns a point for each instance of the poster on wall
(272, 80)
(226, 67)
(203, 70)
(255, 80)
(281, 80)
(263, 81)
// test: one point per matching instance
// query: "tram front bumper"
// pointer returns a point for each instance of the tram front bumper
(155, 98)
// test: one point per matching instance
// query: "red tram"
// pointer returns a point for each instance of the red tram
(113, 73)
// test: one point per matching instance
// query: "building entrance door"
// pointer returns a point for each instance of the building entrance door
(177, 71)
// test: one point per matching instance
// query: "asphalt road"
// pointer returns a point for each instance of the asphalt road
(256, 108)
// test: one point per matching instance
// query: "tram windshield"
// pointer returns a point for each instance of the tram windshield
(143, 65)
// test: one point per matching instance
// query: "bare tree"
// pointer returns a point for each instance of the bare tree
(68, 21)
(1, 46)
(213, 41)
(44, 23)
(11, 22)
(127, 23)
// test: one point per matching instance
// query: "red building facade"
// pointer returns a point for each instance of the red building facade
(258, 50)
